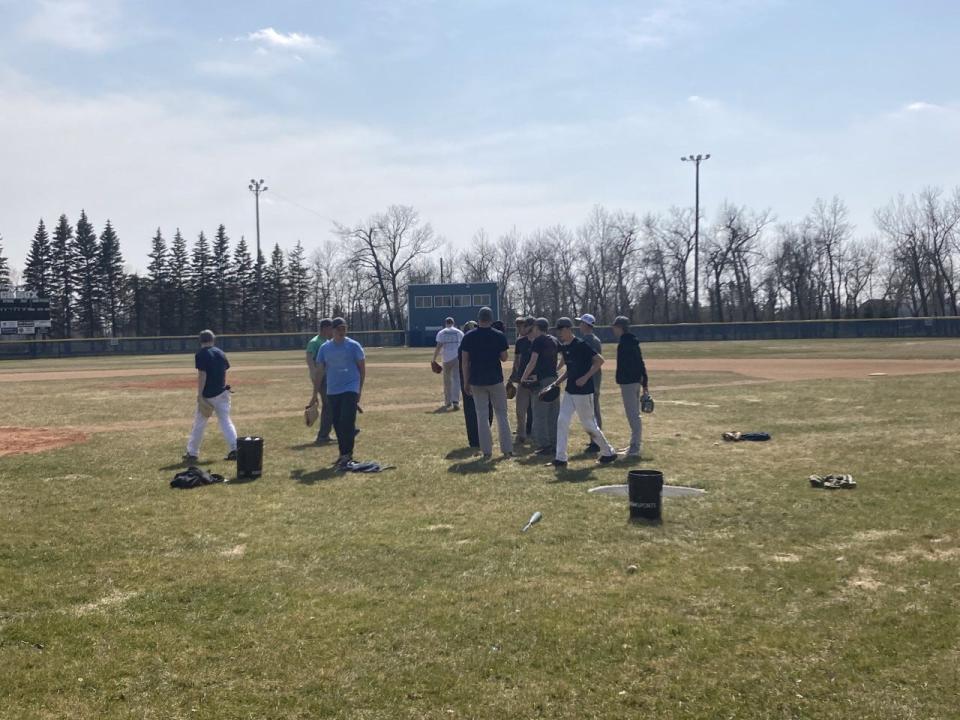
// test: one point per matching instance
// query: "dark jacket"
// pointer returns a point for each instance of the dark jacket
(630, 367)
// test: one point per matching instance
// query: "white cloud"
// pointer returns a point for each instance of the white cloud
(268, 37)
(921, 107)
(702, 102)
(86, 25)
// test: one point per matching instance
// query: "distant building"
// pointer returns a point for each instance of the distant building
(429, 305)
(23, 315)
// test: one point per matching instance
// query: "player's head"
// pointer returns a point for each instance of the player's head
(586, 323)
(326, 328)
(498, 325)
(529, 321)
(207, 338)
(449, 322)
(621, 325)
(540, 326)
(339, 327)
(469, 325)
(485, 317)
(521, 323)
(565, 330)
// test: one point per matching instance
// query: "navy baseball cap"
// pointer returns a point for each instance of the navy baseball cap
(564, 322)
(337, 322)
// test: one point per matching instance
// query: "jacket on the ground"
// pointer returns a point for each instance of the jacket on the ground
(630, 367)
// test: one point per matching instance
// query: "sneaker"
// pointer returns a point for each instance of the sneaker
(343, 461)
(592, 448)
(546, 451)
(456, 406)
(322, 440)
(604, 459)
(487, 458)
(356, 431)
(231, 456)
(188, 458)
(557, 464)
(519, 440)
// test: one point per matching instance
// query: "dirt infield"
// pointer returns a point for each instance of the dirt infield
(23, 441)
(768, 369)
(184, 383)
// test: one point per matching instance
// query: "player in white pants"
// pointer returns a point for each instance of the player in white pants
(213, 396)
(581, 363)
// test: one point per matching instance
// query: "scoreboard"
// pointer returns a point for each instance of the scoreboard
(23, 313)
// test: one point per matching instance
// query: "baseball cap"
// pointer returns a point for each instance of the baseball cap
(542, 324)
(485, 315)
(564, 322)
(622, 322)
(588, 319)
(325, 323)
(450, 321)
(337, 322)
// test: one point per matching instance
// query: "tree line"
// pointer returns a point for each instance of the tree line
(752, 267)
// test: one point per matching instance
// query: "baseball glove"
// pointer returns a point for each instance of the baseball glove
(551, 393)
(436, 367)
(646, 403)
(511, 391)
(311, 413)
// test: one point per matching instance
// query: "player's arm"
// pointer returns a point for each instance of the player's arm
(594, 369)
(530, 367)
(201, 381)
(362, 367)
(436, 351)
(559, 380)
(465, 369)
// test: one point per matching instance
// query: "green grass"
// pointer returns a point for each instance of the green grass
(412, 594)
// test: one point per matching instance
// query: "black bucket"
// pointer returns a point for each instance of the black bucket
(645, 488)
(249, 457)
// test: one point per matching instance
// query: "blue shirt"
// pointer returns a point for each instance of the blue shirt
(340, 364)
(213, 362)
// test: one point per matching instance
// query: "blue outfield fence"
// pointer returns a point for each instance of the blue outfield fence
(940, 327)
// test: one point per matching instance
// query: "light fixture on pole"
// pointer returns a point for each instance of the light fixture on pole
(696, 159)
(257, 187)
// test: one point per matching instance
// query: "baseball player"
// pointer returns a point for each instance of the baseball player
(632, 379)
(540, 372)
(341, 363)
(448, 347)
(586, 323)
(581, 364)
(319, 389)
(524, 398)
(483, 351)
(213, 396)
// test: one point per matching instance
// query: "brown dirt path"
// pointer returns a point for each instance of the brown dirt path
(767, 368)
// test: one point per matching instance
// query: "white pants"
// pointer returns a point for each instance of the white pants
(583, 406)
(451, 382)
(221, 406)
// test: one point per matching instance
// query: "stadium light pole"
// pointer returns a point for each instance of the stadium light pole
(696, 160)
(257, 187)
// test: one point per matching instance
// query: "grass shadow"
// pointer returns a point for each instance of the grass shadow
(473, 467)
(241, 480)
(573, 476)
(307, 446)
(183, 465)
(461, 453)
(314, 476)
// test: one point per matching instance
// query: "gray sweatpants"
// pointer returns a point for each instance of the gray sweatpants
(497, 396)
(451, 382)
(631, 407)
(523, 400)
(545, 418)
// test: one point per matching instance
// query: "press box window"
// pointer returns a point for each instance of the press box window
(481, 300)
(441, 301)
(461, 301)
(422, 303)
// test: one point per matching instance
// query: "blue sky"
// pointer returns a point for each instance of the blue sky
(481, 113)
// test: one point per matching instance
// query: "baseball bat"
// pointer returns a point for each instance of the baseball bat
(534, 519)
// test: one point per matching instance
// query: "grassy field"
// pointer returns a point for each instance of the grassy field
(412, 594)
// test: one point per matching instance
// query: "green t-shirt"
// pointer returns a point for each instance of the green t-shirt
(314, 345)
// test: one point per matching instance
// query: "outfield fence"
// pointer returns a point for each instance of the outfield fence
(939, 327)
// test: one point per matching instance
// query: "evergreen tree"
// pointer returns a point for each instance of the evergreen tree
(38, 271)
(113, 279)
(64, 279)
(298, 284)
(275, 291)
(4, 270)
(221, 278)
(244, 291)
(179, 276)
(89, 279)
(156, 288)
(139, 293)
(201, 283)
(260, 300)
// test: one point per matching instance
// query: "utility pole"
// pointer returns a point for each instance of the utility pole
(696, 159)
(257, 187)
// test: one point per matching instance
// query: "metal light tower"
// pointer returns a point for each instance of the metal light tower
(257, 187)
(696, 159)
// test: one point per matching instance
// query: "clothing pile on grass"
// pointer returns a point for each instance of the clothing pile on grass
(367, 466)
(833, 482)
(194, 477)
(733, 436)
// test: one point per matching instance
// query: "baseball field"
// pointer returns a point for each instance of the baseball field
(412, 593)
